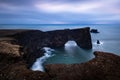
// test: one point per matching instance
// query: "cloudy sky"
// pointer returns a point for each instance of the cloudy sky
(59, 11)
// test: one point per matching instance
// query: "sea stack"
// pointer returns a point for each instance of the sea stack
(98, 42)
(94, 31)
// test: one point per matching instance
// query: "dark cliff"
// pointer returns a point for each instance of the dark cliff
(34, 40)
(55, 39)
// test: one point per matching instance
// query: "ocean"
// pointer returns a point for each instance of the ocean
(109, 38)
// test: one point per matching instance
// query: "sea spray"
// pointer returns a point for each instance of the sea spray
(75, 53)
(38, 64)
(71, 47)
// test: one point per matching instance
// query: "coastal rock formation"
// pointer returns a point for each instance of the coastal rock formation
(34, 40)
(94, 31)
(14, 67)
(15, 60)
(105, 66)
(55, 39)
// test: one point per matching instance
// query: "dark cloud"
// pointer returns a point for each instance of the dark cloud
(28, 2)
(16, 2)
(24, 11)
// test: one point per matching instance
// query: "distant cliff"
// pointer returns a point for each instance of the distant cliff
(34, 40)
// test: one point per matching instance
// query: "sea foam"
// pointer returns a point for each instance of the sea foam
(70, 46)
(38, 64)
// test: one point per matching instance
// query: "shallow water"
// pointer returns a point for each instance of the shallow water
(79, 56)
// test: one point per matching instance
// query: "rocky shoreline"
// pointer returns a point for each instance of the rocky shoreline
(105, 66)
(33, 41)
(18, 51)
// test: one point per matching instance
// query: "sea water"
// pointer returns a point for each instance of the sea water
(109, 38)
(38, 65)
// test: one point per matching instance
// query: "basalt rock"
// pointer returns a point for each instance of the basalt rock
(54, 39)
(94, 31)
(34, 40)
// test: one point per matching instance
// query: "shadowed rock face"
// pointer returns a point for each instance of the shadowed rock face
(54, 39)
(34, 40)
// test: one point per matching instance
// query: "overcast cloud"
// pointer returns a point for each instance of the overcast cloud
(59, 11)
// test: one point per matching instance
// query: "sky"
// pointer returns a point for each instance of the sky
(59, 11)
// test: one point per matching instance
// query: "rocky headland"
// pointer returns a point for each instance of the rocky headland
(19, 50)
(33, 41)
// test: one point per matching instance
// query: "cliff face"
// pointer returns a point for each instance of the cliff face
(55, 39)
(34, 40)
